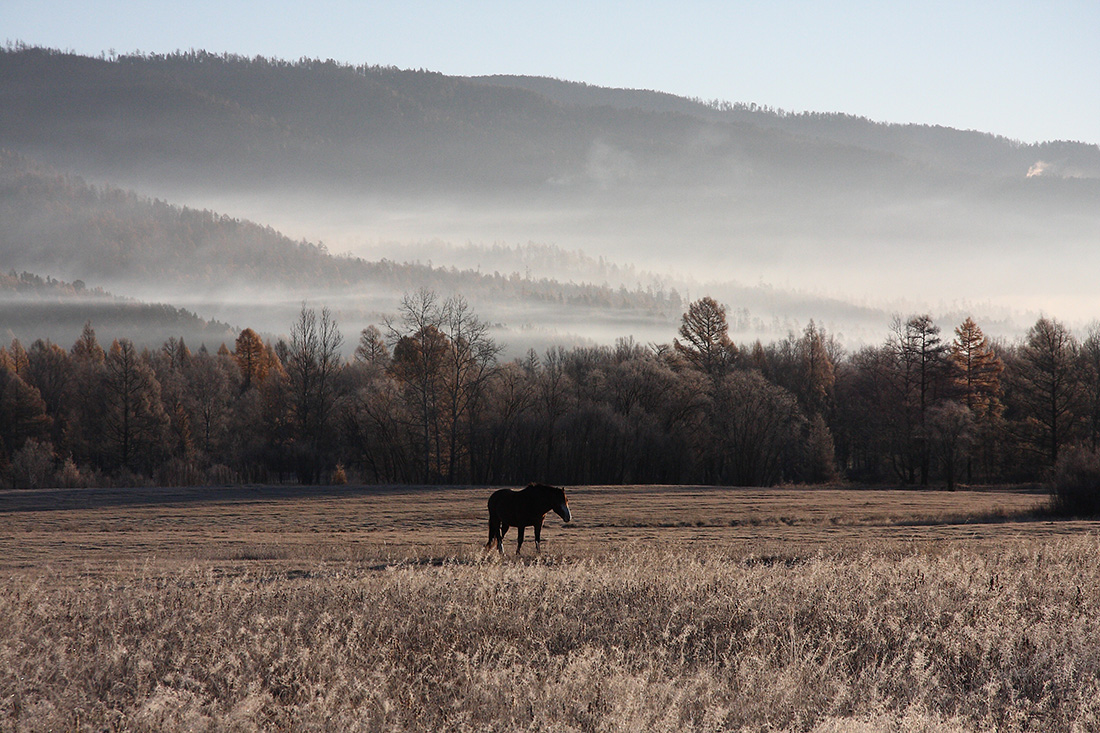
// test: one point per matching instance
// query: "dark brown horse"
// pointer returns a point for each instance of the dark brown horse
(525, 508)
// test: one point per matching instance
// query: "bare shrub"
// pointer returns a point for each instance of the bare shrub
(1075, 483)
(125, 478)
(179, 471)
(221, 475)
(32, 465)
(69, 475)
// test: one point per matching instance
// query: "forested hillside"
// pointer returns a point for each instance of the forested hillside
(970, 151)
(33, 307)
(311, 121)
(308, 122)
(57, 223)
(239, 271)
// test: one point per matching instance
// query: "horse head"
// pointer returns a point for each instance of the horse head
(553, 497)
(561, 504)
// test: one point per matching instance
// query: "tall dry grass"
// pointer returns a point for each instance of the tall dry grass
(639, 639)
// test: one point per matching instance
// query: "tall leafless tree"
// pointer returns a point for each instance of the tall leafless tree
(313, 361)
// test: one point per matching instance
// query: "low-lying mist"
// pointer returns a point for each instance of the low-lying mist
(517, 326)
(845, 266)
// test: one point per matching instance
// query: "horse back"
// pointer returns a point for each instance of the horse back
(518, 508)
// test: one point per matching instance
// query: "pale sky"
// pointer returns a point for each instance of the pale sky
(1026, 70)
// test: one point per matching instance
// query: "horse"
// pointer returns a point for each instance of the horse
(524, 508)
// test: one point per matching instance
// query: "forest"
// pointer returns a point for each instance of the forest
(427, 399)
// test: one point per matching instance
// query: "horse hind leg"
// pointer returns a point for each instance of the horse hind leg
(495, 533)
(519, 538)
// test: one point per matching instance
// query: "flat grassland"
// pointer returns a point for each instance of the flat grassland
(657, 608)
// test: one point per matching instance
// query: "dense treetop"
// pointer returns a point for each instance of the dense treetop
(427, 398)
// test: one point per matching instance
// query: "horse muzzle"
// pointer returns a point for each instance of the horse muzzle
(563, 512)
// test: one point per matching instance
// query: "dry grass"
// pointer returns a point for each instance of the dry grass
(84, 529)
(377, 610)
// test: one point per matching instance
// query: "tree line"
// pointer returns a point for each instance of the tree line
(426, 398)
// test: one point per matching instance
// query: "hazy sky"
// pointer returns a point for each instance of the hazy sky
(1027, 70)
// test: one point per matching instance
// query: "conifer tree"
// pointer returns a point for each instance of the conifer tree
(85, 428)
(1048, 386)
(249, 353)
(816, 374)
(135, 419)
(19, 359)
(976, 377)
(976, 384)
(50, 371)
(372, 349)
(87, 349)
(1090, 374)
(706, 344)
(22, 413)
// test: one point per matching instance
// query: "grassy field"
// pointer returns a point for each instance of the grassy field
(657, 608)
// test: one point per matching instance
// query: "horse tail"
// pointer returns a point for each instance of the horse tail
(494, 530)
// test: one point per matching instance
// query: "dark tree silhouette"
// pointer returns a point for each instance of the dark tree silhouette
(1048, 386)
(312, 365)
(135, 419)
(706, 343)
(22, 413)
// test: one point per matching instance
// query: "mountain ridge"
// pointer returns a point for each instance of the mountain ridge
(823, 125)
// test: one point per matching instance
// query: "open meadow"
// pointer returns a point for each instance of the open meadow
(657, 608)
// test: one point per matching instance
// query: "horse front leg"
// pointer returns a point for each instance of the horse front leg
(538, 534)
(519, 537)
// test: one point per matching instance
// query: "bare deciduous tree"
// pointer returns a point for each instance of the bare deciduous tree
(759, 424)
(313, 361)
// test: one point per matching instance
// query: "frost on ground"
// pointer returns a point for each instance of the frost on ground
(1003, 637)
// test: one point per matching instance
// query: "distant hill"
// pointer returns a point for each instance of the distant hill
(967, 151)
(230, 119)
(240, 271)
(49, 221)
(251, 275)
(34, 307)
(195, 114)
